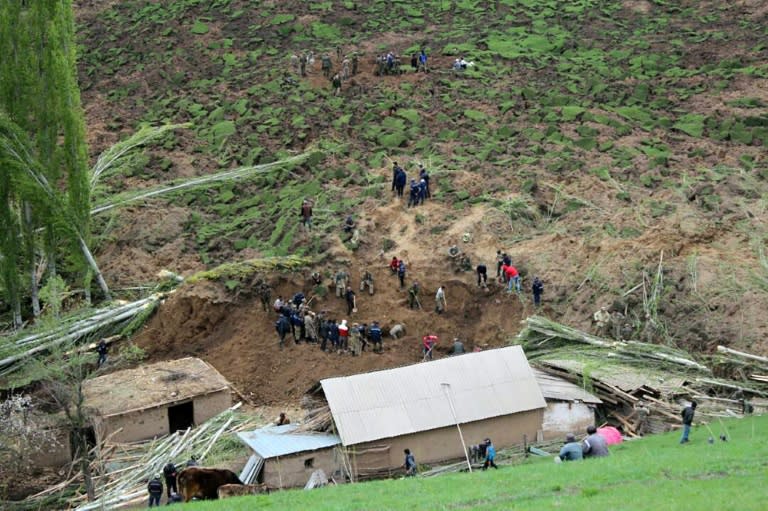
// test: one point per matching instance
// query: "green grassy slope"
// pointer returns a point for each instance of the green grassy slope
(650, 474)
(641, 100)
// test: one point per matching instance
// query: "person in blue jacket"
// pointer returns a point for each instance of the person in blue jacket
(490, 454)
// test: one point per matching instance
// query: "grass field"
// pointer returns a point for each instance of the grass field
(655, 473)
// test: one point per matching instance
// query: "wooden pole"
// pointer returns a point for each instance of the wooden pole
(447, 389)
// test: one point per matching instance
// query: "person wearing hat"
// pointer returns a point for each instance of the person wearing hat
(571, 451)
(602, 319)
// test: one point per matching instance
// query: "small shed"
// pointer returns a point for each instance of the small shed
(492, 394)
(286, 458)
(155, 399)
(570, 409)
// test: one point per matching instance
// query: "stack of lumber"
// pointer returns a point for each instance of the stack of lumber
(317, 419)
(643, 386)
(121, 471)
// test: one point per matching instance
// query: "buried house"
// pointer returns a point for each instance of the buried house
(155, 399)
(491, 394)
(570, 409)
(285, 457)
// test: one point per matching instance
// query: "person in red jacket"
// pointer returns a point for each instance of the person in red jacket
(513, 278)
(428, 342)
(343, 335)
(394, 264)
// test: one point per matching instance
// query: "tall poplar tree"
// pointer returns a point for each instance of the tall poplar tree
(43, 155)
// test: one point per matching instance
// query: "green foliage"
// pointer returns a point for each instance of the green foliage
(691, 124)
(199, 28)
(52, 294)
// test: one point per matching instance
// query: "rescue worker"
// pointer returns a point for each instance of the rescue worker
(413, 295)
(306, 214)
(336, 84)
(423, 61)
(400, 181)
(102, 350)
(423, 174)
(374, 333)
(265, 295)
(343, 336)
(458, 347)
(354, 64)
(326, 65)
(282, 326)
(413, 195)
(394, 264)
(538, 289)
(341, 280)
(310, 327)
(395, 173)
(366, 279)
(499, 263)
(428, 345)
(482, 275)
(440, 303)
(345, 72)
(350, 297)
(334, 334)
(513, 278)
(355, 342)
(401, 273)
(602, 319)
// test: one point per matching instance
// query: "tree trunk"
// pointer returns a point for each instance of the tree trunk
(33, 289)
(95, 268)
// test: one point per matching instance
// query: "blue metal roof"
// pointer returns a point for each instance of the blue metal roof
(275, 441)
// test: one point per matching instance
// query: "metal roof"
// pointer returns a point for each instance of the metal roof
(275, 441)
(410, 399)
(561, 390)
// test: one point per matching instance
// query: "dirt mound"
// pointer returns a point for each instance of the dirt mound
(238, 338)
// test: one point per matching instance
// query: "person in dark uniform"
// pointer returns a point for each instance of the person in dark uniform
(482, 275)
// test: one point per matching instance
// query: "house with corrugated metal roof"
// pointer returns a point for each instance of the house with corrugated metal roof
(285, 457)
(491, 394)
(570, 409)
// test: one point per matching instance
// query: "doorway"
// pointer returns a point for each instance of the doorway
(181, 416)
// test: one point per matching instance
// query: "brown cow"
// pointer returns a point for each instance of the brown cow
(237, 490)
(202, 483)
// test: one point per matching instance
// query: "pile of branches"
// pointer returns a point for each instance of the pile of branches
(122, 470)
(543, 335)
(650, 407)
(98, 322)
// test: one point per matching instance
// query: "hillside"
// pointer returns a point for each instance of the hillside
(648, 474)
(596, 142)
